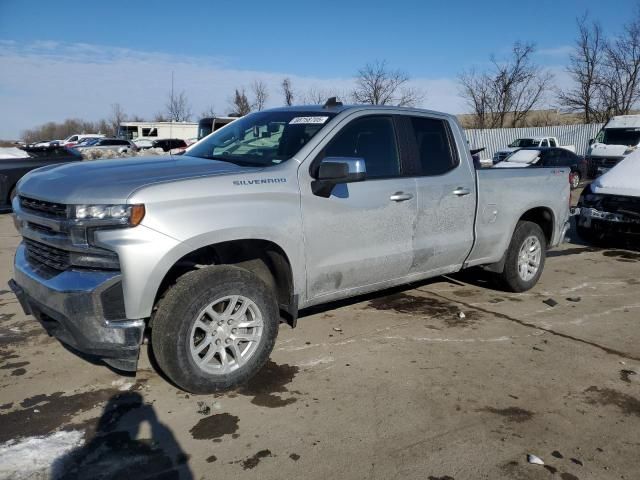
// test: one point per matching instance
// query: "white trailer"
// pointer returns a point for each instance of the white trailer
(157, 130)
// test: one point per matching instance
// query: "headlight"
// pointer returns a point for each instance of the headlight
(97, 215)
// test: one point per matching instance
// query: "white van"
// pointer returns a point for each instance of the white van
(617, 139)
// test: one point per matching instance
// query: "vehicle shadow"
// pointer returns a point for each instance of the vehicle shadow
(116, 452)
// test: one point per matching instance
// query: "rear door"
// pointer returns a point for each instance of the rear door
(446, 189)
(362, 234)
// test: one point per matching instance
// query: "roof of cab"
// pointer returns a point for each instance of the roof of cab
(343, 108)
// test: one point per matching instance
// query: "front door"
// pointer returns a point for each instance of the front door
(362, 234)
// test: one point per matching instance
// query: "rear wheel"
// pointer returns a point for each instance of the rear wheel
(214, 329)
(525, 258)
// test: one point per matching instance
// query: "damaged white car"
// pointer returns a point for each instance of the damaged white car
(611, 204)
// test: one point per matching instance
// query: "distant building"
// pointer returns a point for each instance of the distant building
(157, 130)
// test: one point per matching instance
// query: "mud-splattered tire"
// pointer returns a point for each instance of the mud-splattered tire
(525, 258)
(206, 320)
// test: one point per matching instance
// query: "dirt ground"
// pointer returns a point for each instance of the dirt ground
(394, 385)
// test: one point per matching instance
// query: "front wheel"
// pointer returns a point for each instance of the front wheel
(525, 258)
(214, 329)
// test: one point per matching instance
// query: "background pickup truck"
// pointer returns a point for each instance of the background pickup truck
(530, 142)
(280, 210)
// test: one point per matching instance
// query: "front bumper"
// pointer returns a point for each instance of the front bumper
(79, 308)
(607, 222)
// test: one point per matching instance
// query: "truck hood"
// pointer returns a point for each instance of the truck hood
(621, 179)
(602, 150)
(113, 181)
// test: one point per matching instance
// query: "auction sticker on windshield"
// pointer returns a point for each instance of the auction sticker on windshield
(306, 120)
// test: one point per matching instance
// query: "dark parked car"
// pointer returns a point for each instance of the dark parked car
(169, 144)
(13, 169)
(554, 157)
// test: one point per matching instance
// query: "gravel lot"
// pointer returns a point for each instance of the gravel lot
(395, 385)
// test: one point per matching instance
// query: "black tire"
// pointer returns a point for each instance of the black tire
(510, 278)
(178, 310)
(12, 195)
(591, 236)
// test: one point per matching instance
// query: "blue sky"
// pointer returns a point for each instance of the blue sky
(74, 58)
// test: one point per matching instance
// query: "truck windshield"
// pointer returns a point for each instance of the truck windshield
(620, 136)
(262, 138)
(524, 142)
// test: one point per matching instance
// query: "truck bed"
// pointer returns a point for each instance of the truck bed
(505, 195)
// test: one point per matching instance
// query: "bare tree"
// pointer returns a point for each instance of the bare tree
(318, 96)
(209, 112)
(177, 107)
(586, 70)
(377, 85)
(240, 103)
(116, 118)
(260, 95)
(507, 92)
(620, 81)
(161, 117)
(287, 92)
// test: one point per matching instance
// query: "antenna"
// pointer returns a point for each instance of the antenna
(332, 102)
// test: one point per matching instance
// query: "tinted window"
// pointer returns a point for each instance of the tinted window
(371, 138)
(557, 158)
(544, 143)
(566, 158)
(552, 142)
(435, 146)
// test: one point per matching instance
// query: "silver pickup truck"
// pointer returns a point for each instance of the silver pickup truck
(283, 209)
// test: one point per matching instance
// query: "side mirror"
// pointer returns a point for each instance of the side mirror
(592, 141)
(335, 170)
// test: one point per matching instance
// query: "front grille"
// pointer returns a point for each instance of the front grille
(50, 209)
(625, 205)
(41, 254)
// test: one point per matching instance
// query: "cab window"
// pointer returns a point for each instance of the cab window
(435, 148)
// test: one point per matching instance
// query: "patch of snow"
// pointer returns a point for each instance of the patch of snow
(122, 384)
(37, 457)
(11, 153)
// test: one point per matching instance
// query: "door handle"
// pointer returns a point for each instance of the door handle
(461, 191)
(400, 197)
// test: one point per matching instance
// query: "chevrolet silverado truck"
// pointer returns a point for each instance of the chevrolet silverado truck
(208, 252)
(530, 142)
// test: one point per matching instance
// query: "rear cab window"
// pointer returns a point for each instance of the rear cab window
(432, 147)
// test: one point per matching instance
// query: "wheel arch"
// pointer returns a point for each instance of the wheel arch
(265, 258)
(543, 217)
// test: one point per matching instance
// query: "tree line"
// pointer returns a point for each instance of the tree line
(605, 74)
